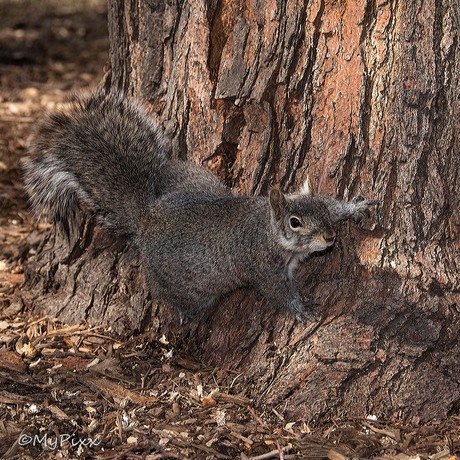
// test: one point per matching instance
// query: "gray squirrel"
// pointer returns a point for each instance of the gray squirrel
(104, 156)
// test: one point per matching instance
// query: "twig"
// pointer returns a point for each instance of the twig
(256, 417)
(393, 434)
(37, 321)
(278, 453)
(280, 450)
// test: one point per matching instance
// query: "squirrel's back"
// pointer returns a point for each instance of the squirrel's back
(103, 155)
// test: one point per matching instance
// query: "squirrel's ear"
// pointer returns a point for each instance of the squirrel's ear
(278, 202)
(307, 188)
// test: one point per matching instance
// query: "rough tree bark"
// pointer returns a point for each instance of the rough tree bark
(364, 96)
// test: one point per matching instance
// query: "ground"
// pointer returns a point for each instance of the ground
(71, 391)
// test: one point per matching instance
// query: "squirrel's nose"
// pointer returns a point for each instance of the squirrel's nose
(329, 236)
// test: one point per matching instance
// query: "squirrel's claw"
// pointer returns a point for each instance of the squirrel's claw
(183, 318)
(304, 314)
(362, 207)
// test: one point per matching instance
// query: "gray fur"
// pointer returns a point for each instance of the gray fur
(198, 241)
(98, 156)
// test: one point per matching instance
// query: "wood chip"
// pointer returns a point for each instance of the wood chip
(60, 414)
(117, 392)
(12, 361)
(232, 399)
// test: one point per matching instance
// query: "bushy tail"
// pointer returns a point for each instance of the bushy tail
(102, 156)
(54, 192)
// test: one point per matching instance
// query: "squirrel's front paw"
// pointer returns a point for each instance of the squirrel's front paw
(302, 313)
(361, 207)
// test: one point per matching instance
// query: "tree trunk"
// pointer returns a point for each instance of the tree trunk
(364, 96)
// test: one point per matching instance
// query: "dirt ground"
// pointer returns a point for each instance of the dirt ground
(71, 391)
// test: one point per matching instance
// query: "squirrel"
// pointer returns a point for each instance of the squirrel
(105, 156)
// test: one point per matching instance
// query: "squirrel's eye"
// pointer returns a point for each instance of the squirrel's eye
(294, 222)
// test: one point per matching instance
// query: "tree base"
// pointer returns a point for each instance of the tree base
(372, 352)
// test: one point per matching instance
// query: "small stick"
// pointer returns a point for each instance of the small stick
(278, 453)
